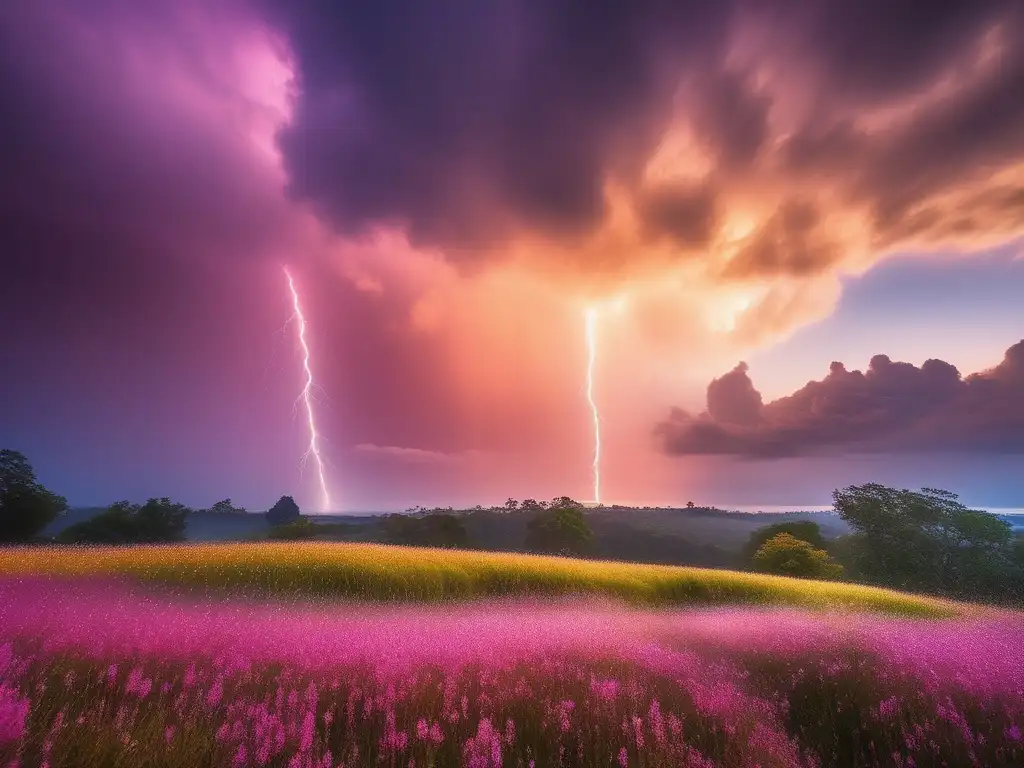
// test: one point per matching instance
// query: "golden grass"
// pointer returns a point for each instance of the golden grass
(381, 572)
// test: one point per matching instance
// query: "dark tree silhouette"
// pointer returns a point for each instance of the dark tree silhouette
(284, 511)
(26, 507)
(225, 507)
(560, 530)
(156, 521)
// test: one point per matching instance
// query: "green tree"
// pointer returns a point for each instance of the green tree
(284, 511)
(26, 507)
(786, 555)
(928, 541)
(561, 530)
(805, 530)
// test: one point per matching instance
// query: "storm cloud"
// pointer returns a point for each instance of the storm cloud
(468, 125)
(892, 407)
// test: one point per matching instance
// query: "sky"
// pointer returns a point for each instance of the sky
(800, 226)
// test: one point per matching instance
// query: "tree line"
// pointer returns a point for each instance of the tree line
(922, 541)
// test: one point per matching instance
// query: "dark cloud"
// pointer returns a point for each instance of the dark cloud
(468, 123)
(687, 214)
(732, 399)
(891, 407)
(880, 49)
(102, 142)
(730, 117)
(464, 121)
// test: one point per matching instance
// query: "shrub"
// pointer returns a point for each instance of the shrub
(805, 530)
(786, 555)
(433, 530)
(296, 530)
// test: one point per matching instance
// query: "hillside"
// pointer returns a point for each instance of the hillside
(403, 574)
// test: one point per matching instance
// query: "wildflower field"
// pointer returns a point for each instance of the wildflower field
(329, 655)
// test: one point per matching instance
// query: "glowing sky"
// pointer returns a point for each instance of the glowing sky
(783, 184)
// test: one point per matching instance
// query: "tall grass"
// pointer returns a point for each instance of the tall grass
(387, 573)
(95, 674)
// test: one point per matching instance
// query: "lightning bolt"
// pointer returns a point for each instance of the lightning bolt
(306, 394)
(591, 318)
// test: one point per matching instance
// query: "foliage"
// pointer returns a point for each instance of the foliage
(297, 530)
(805, 530)
(225, 507)
(786, 555)
(561, 529)
(928, 541)
(432, 530)
(375, 572)
(26, 507)
(284, 511)
(158, 520)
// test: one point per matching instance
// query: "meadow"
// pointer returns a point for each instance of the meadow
(377, 572)
(304, 655)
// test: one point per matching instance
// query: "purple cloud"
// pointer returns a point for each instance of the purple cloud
(891, 407)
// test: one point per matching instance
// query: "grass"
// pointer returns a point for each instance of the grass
(389, 573)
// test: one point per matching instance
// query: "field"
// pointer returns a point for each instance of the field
(326, 655)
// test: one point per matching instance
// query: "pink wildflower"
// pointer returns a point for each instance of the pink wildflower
(214, 695)
(13, 714)
(436, 735)
(308, 724)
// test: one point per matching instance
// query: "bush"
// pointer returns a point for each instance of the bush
(805, 530)
(786, 555)
(296, 530)
(433, 530)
